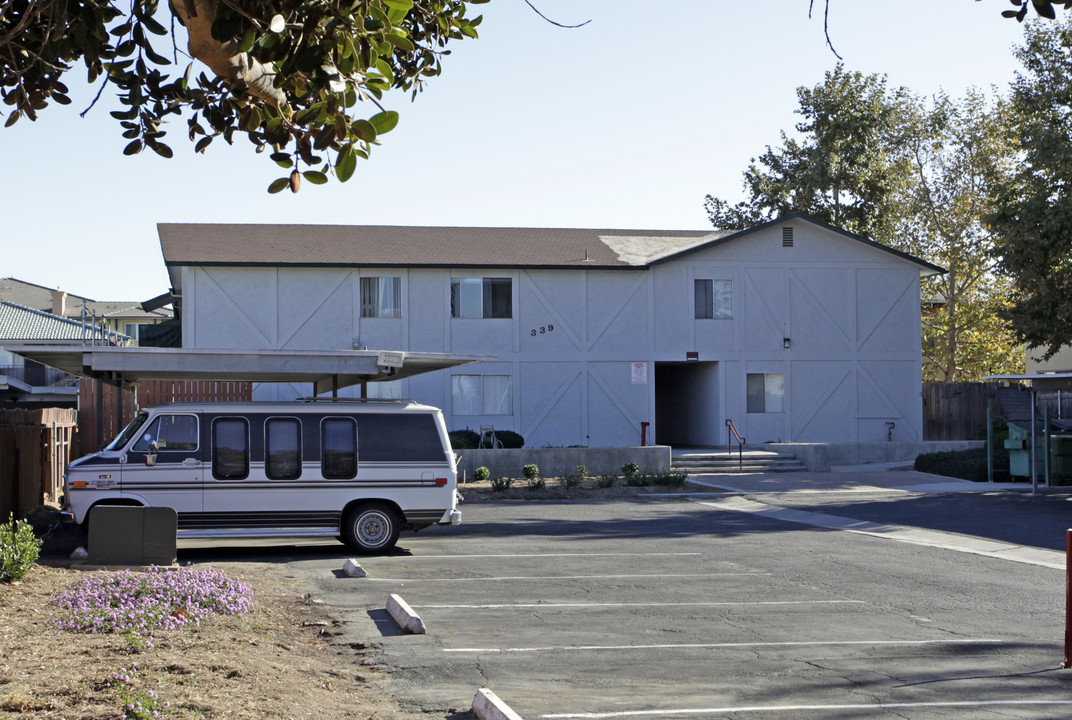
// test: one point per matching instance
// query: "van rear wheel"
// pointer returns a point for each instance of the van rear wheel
(371, 529)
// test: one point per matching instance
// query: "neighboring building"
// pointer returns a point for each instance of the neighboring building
(25, 383)
(124, 317)
(794, 330)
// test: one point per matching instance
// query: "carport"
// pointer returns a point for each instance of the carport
(325, 370)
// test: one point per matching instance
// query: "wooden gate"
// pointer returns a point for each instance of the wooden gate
(957, 411)
(35, 447)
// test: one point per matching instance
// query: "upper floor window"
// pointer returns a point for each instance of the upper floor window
(381, 297)
(481, 298)
(714, 299)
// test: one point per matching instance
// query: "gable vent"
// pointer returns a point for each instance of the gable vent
(787, 237)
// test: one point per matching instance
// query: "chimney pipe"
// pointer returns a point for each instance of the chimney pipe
(59, 303)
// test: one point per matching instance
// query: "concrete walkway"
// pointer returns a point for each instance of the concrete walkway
(1001, 520)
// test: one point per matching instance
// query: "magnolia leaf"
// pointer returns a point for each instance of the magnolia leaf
(278, 185)
(384, 121)
(364, 130)
(315, 177)
(346, 164)
(133, 148)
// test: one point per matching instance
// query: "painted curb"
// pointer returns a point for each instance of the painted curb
(404, 615)
(353, 568)
(488, 706)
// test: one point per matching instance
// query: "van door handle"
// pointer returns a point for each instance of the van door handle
(191, 462)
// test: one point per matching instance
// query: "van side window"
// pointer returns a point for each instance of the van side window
(174, 433)
(339, 444)
(282, 449)
(399, 437)
(230, 449)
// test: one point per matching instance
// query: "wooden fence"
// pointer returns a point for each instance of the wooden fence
(957, 411)
(148, 394)
(35, 447)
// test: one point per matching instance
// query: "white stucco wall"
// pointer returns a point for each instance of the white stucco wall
(850, 312)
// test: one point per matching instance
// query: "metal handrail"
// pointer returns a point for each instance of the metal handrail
(733, 433)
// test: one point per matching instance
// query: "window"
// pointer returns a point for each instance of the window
(482, 394)
(170, 433)
(399, 437)
(338, 442)
(766, 392)
(714, 299)
(230, 449)
(381, 297)
(386, 390)
(282, 449)
(481, 298)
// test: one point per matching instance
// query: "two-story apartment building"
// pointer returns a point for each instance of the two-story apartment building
(794, 330)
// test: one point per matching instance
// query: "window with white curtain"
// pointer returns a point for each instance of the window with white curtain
(387, 390)
(482, 394)
(766, 392)
(481, 298)
(714, 299)
(381, 297)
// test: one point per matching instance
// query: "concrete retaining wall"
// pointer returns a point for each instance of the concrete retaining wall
(819, 457)
(556, 462)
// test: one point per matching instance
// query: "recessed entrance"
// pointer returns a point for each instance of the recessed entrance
(686, 403)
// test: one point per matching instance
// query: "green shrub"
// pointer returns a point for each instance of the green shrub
(606, 481)
(501, 483)
(630, 469)
(510, 439)
(572, 481)
(536, 483)
(637, 479)
(963, 464)
(669, 478)
(19, 549)
(464, 439)
(481, 474)
(531, 471)
(582, 471)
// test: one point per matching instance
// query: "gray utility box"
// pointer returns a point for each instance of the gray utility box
(123, 535)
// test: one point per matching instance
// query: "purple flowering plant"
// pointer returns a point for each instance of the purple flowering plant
(135, 704)
(137, 603)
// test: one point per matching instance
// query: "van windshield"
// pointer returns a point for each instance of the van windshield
(128, 432)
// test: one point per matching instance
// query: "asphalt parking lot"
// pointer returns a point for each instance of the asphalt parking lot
(683, 608)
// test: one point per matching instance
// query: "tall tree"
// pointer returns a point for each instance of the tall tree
(1034, 205)
(287, 73)
(956, 150)
(912, 175)
(841, 168)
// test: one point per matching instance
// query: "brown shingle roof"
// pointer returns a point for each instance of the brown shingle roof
(389, 245)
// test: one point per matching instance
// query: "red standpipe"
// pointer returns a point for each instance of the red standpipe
(1068, 601)
(644, 433)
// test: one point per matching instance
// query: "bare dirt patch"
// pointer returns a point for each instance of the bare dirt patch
(590, 488)
(283, 660)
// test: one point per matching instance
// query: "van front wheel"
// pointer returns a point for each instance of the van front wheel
(371, 529)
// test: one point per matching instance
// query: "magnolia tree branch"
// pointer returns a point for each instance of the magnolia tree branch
(237, 69)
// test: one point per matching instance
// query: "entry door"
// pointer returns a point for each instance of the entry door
(176, 479)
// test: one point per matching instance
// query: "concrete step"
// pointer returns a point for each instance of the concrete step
(748, 461)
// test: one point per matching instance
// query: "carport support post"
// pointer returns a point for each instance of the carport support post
(1068, 600)
(989, 445)
(100, 413)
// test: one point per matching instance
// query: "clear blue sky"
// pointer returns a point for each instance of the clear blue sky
(627, 122)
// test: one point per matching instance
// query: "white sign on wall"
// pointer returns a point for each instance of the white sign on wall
(640, 373)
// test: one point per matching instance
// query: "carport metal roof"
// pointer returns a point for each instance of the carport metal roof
(325, 370)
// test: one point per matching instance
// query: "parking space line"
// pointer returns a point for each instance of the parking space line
(458, 556)
(806, 708)
(651, 604)
(563, 577)
(746, 645)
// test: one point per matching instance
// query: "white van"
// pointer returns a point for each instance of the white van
(359, 470)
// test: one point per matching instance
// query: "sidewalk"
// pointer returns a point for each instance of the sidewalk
(996, 519)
